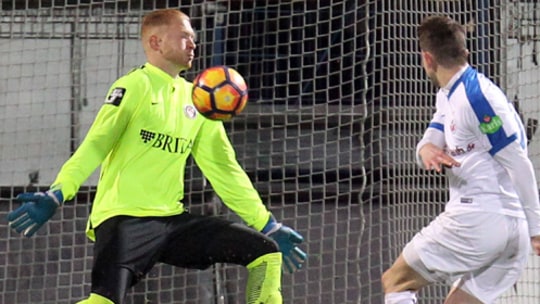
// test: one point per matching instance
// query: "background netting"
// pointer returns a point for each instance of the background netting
(338, 100)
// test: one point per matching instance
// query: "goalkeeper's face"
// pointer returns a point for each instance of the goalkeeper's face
(178, 44)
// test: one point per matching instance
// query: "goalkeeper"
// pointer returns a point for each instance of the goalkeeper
(142, 137)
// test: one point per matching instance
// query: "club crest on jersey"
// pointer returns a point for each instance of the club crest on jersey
(453, 126)
(115, 98)
(190, 111)
(490, 124)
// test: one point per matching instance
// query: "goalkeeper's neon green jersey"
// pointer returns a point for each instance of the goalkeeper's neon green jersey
(142, 137)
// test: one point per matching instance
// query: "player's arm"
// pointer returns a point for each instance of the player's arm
(429, 150)
(514, 159)
(216, 157)
(214, 154)
(508, 147)
(37, 208)
(108, 126)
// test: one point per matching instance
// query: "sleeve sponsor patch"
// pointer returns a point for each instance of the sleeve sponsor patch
(116, 96)
(490, 124)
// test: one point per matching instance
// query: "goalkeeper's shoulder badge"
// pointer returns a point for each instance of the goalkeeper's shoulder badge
(116, 96)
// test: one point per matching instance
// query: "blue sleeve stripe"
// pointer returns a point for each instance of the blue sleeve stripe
(496, 148)
(436, 125)
(522, 134)
(483, 110)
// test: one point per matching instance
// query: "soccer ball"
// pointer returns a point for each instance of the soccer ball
(219, 93)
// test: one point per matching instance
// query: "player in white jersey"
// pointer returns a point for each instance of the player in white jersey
(481, 241)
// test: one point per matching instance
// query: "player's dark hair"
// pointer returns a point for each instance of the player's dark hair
(444, 38)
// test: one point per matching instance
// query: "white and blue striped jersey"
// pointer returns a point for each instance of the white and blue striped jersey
(476, 124)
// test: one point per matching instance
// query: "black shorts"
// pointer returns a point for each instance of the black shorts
(126, 247)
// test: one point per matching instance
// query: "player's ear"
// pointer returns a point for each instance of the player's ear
(428, 60)
(154, 42)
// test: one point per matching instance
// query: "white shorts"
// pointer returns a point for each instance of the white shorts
(485, 253)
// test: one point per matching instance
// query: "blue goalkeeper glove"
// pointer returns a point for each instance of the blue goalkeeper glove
(37, 208)
(287, 240)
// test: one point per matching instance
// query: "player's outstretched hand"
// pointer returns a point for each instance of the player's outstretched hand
(288, 241)
(434, 158)
(37, 208)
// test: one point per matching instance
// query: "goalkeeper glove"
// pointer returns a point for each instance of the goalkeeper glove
(37, 208)
(287, 239)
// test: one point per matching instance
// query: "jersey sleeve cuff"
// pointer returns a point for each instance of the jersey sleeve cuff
(260, 223)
